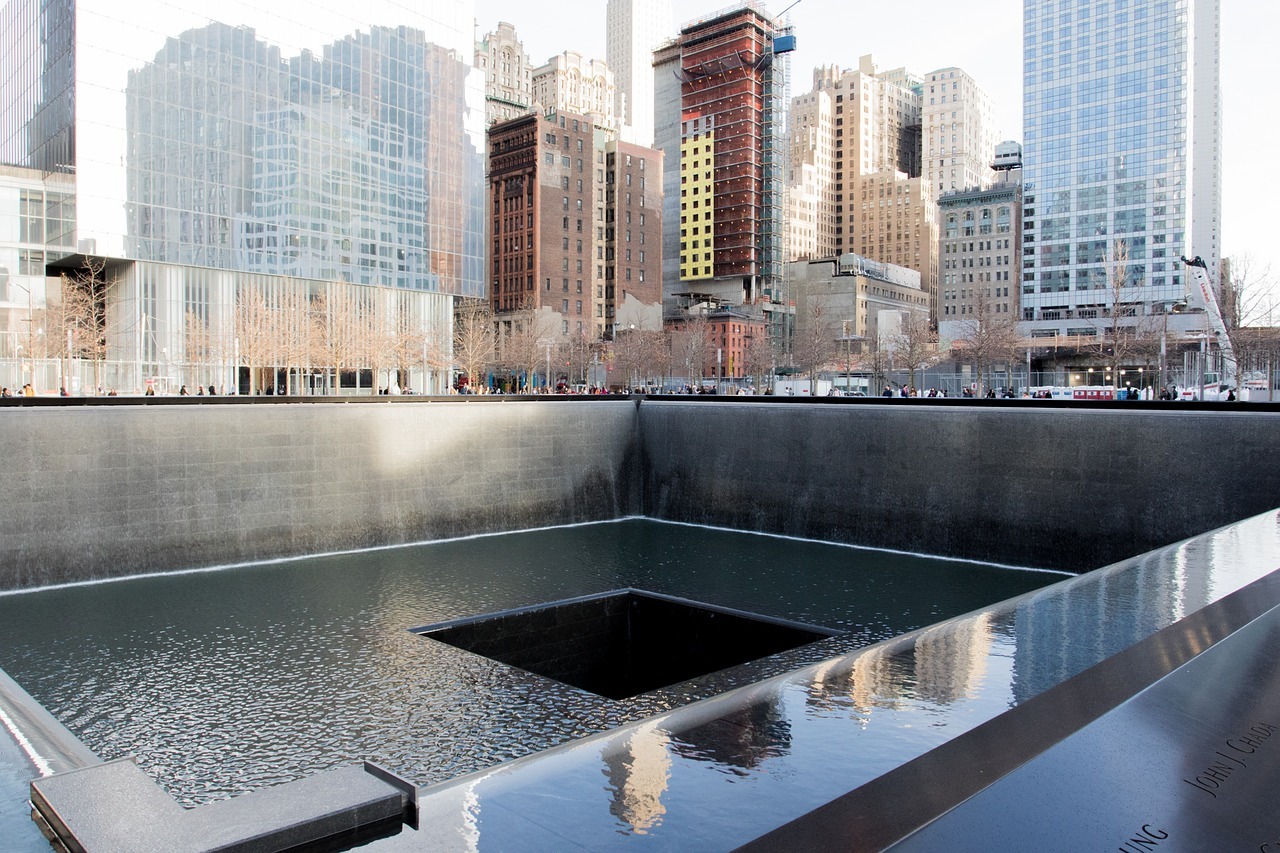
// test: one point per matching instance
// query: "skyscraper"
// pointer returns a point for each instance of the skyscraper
(726, 156)
(633, 29)
(1121, 159)
(282, 149)
(978, 277)
(855, 155)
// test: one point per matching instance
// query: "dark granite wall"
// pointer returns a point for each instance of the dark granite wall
(92, 492)
(99, 491)
(1066, 488)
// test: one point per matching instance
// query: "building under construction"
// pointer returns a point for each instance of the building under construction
(725, 157)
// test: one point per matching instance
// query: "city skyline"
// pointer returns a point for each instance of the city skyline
(997, 69)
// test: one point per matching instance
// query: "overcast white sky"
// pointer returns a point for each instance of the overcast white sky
(985, 39)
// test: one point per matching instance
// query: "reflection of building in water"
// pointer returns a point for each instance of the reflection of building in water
(368, 241)
(741, 739)
(882, 676)
(190, 116)
(940, 665)
(638, 775)
(342, 167)
(1057, 640)
(951, 659)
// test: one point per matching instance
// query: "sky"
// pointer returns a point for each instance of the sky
(984, 39)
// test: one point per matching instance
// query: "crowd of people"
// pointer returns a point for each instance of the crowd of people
(904, 391)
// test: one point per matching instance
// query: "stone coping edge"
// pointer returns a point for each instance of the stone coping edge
(115, 806)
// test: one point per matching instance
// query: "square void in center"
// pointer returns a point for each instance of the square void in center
(623, 643)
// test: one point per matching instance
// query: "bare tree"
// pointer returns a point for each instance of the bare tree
(200, 346)
(474, 339)
(690, 345)
(331, 315)
(656, 355)
(759, 355)
(1125, 335)
(295, 334)
(84, 314)
(814, 345)
(628, 356)
(915, 346)
(439, 346)
(1249, 310)
(378, 332)
(579, 350)
(640, 355)
(256, 331)
(1249, 299)
(987, 338)
(409, 341)
(874, 359)
(529, 341)
(346, 315)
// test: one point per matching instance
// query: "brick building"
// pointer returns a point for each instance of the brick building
(575, 225)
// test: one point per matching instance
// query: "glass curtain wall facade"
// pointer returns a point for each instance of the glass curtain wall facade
(1108, 164)
(309, 141)
(37, 220)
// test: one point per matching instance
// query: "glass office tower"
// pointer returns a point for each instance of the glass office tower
(317, 142)
(284, 137)
(1121, 156)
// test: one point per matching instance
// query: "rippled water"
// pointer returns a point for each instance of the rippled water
(222, 682)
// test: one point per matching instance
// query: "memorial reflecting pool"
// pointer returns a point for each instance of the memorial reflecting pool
(225, 681)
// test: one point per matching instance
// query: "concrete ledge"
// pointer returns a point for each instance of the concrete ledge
(47, 743)
(1189, 763)
(116, 807)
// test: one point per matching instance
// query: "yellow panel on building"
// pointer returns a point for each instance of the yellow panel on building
(697, 207)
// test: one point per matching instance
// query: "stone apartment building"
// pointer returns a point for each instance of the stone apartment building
(979, 251)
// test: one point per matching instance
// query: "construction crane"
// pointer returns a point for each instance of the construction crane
(1202, 296)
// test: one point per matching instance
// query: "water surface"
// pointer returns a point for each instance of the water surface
(225, 681)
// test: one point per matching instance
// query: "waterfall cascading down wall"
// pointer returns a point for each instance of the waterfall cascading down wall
(1071, 488)
(93, 492)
